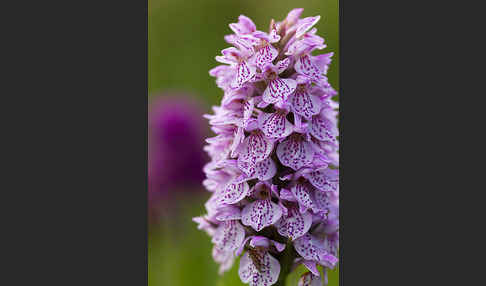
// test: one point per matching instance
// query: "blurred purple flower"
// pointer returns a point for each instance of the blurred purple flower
(176, 138)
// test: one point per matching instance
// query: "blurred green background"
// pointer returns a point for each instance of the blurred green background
(183, 39)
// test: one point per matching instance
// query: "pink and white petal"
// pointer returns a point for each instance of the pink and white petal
(265, 55)
(305, 24)
(224, 258)
(324, 179)
(305, 104)
(295, 152)
(275, 125)
(305, 66)
(265, 274)
(244, 45)
(245, 72)
(312, 266)
(266, 169)
(259, 241)
(322, 128)
(321, 202)
(274, 37)
(233, 193)
(244, 26)
(287, 195)
(294, 224)
(260, 214)
(229, 235)
(248, 107)
(237, 140)
(279, 90)
(323, 61)
(309, 279)
(228, 212)
(279, 246)
(303, 193)
(311, 247)
(255, 148)
(293, 16)
(246, 269)
(282, 65)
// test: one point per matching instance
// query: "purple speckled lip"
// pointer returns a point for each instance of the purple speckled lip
(274, 168)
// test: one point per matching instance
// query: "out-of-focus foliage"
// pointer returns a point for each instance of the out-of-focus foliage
(183, 39)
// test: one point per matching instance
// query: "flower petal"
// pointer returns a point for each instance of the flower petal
(248, 107)
(228, 212)
(325, 179)
(245, 73)
(258, 268)
(304, 103)
(244, 26)
(283, 65)
(275, 125)
(305, 66)
(279, 89)
(322, 128)
(294, 224)
(263, 170)
(274, 36)
(229, 235)
(234, 192)
(265, 55)
(304, 25)
(224, 258)
(303, 193)
(311, 247)
(312, 266)
(255, 148)
(309, 279)
(295, 153)
(260, 214)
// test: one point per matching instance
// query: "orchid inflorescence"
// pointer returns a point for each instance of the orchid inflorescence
(274, 172)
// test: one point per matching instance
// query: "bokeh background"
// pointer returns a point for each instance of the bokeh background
(183, 39)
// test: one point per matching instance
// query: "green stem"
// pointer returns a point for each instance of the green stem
(286, 259)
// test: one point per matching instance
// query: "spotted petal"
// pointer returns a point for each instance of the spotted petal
(263, 170)
(245, 72)
(234, 192)
(258, 268)
(256, 148)
(303, 192)
(305, 66)
(322, 128)
(311, 247)
(260, 214)
(295, 153)
(279, 89)
(282, 65)
(275, 125)
(229, 235)
(312, 266)
(294, 224)
(324, 179)
(248, 107)
(309, 279)
(304, 103)
(265, 55)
